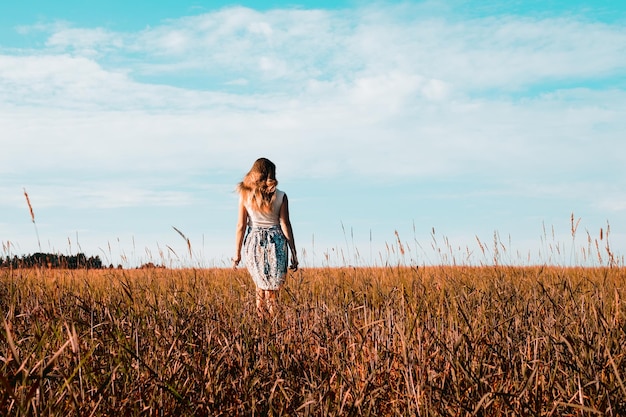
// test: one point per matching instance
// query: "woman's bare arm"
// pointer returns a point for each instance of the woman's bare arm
(242, 222)
(285, 224)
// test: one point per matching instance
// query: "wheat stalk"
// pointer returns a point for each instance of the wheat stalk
(186, 239)
(32, 217)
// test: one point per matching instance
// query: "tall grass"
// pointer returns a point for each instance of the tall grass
(392, 341)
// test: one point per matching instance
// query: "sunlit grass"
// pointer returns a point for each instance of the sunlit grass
(348, 341)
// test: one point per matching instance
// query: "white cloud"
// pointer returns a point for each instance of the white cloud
(506, 53)
(377, 92)
(375, 126)
(85, 42)
(261, 28)
(56, 81)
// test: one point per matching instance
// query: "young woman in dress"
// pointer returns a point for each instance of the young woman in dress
(264, 211)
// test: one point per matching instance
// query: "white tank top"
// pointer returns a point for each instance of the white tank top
(261, 219)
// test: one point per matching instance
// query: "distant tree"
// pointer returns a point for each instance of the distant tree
(52, 261)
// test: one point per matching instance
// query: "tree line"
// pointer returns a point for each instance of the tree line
(53, 261)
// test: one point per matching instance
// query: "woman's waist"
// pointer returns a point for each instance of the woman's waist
(256, 226)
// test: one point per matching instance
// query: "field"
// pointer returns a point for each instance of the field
(393, 341)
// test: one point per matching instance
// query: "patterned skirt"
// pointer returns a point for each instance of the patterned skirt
(265, 250)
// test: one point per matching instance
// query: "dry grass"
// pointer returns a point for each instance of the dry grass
(449, 341)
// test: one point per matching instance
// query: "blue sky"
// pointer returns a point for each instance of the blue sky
(124, 119)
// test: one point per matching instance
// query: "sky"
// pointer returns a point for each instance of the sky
(424, 132)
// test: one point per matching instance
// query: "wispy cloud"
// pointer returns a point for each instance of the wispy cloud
(507, 52)
(98, 194)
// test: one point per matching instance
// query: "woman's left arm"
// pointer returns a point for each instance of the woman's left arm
(242, 222)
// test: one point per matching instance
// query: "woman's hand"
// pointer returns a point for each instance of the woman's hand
(294, 264)
(236, 259)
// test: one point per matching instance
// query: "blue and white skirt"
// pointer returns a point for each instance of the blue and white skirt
(265, 250)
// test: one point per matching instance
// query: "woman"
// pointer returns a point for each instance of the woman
(264, 210)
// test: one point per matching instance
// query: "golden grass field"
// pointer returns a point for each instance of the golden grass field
(392, 341)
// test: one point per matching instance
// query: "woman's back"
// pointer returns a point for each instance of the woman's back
(258, 218)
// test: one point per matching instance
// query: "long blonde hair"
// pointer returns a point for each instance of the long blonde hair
(259, 185)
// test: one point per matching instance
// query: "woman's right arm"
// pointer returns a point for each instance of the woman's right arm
(285, 225)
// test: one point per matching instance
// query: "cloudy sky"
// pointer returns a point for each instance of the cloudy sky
(440, 124)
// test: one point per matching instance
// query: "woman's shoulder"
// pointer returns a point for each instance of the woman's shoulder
(280, 197)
